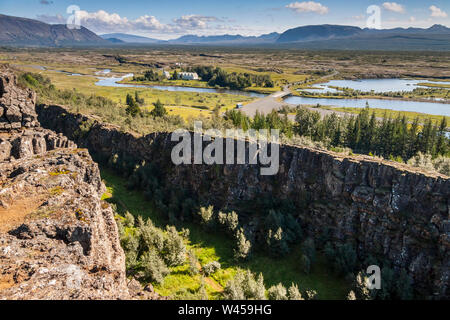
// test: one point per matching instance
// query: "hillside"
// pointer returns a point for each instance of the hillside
(322, 32)
(27, 32)
(129, 38)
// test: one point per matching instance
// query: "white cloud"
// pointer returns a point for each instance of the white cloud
(51, 19)
(394, 7)
(308, 6)
(194, 21)
(412, 19)
(104, 22)
(437, 12)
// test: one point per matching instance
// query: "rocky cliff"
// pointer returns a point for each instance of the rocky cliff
(384, 209)
(58, 240)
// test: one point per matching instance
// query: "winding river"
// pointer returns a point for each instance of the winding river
(114, 82)
(376, 85)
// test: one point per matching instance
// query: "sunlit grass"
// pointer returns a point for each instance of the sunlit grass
(215, 246)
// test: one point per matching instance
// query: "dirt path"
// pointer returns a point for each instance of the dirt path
(212, 283)
(16, 214)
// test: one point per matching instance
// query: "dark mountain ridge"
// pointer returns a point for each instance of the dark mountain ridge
(17, 31)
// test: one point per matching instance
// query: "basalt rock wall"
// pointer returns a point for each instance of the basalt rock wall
(58, 239)
(384, 209)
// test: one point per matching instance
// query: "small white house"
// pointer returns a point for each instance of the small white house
(239, 106)
(188, 76)
(166, 74)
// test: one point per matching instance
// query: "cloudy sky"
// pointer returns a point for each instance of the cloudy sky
(166, 19)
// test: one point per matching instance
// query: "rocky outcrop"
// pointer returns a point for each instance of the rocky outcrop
(58, 240)
(384, 209)
(16, 105)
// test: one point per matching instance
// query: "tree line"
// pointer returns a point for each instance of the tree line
(388, 137)
(216, 76)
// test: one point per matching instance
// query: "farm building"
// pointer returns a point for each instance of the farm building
(188, 76)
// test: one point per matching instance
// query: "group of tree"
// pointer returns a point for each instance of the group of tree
(148, 250)
(273, 120)
(216, 76)
(150, 75)
(134, 104)
(246, 286)
(388, 137)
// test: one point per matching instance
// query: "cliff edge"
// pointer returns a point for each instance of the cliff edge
(58, 240)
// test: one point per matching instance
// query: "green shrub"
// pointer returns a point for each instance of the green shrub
(153, 267)
(244, 286)
(210, 268)
(243, 246)
(174, 249)
(294, 293)
(193, 264)
(277, 243)
(277, 292)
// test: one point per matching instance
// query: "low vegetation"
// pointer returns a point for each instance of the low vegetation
(204, 260)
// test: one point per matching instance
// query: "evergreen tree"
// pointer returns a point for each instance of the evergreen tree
(132, 107)
(159, 110)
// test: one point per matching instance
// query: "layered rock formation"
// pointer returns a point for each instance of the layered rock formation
(384, 209)
(58, 240)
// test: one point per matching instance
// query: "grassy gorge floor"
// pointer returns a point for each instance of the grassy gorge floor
(209, 247)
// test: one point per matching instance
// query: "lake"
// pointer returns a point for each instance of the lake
(441, 109)
(376, 85)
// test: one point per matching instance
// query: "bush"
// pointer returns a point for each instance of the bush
(129, 220)
(229, 220)
(294, 293)
(254, 288)
(277, 292)
(421, 160)
(243, 246)
(193, 264)
(151, 237)
(206, 216)
(244, 286)
(153, 267)
(442, 165)
(159, 110)
(277, 243)
(351, 295)
(130, 245)
(311, 294)
(174, 249)
(211, 268)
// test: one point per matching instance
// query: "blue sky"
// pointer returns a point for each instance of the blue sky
(167, 19)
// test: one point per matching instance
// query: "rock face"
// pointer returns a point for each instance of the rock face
(58, 240)
(385, 210)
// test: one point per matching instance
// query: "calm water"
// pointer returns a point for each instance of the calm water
(441, 109)
(113, 82)
(376, 85)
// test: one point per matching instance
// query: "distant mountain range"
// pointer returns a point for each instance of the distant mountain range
(128, 38)
(27, 32)
(16, 31)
